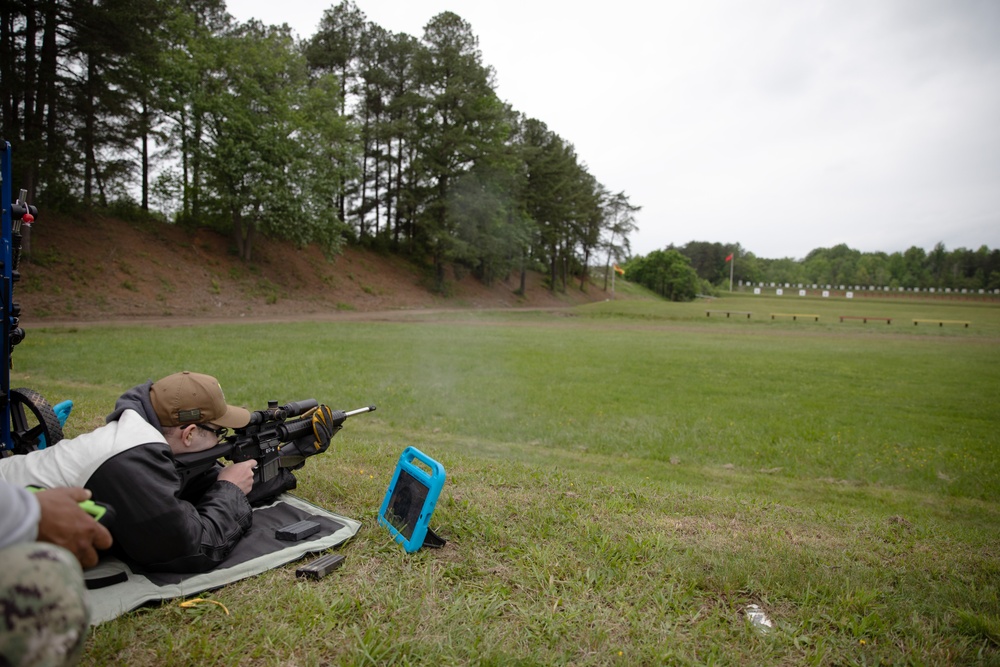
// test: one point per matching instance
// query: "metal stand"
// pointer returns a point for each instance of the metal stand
(27, 421)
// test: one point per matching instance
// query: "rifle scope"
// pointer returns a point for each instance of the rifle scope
(275, 413)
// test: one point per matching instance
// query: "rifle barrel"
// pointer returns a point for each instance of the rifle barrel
(351, 413)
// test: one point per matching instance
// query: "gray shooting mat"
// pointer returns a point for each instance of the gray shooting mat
(257, 552)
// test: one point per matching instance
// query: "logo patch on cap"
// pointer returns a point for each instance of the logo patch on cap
(188, 415)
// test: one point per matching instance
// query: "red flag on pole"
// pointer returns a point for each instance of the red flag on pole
(729, 256)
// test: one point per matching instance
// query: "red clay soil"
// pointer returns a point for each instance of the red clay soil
(94, 268)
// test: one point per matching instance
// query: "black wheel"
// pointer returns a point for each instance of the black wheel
(31, 417)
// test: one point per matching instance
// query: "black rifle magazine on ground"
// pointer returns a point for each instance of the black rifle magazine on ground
(299, 530)
(320, 567)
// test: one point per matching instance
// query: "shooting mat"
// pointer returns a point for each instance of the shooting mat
(257, 552)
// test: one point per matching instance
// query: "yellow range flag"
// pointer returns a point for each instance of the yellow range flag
(619, 270)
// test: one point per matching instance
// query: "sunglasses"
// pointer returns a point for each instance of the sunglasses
(220, 432)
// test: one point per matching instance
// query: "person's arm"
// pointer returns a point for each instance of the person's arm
(52, 516)
(154, 526)
(63, 523)
(19, 518)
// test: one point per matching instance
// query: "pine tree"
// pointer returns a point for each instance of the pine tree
(461, 124)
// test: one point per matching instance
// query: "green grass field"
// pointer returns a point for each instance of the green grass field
(623, 480)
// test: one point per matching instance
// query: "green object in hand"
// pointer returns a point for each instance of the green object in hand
(101, 512)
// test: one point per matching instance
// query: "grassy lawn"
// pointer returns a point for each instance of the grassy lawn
(624, 479)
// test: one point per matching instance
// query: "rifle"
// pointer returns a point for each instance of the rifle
(269, 438)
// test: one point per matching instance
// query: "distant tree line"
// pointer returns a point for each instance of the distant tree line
(355, 134)
(840, 265)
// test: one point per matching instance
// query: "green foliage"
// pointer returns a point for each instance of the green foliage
(357, 134)
(666, 272)
(914, 268)
(841, 265)
(568, 206)
(323, 169)
(709, 259)
(253, 160)
(706, 288)
(491, 229)
(462, 130)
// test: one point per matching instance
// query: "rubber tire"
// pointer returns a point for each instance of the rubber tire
(25, 437)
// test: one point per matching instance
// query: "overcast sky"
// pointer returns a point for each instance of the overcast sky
(782, 125)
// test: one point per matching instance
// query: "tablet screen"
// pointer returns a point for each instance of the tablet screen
(405, 504)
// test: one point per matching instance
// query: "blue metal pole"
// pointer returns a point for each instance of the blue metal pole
(6, 292)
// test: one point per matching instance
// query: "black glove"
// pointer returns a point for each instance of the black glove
(325, 424)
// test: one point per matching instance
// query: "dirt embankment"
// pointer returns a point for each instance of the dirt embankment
(94, 268)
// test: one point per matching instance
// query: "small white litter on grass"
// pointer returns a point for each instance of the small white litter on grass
(758, 619)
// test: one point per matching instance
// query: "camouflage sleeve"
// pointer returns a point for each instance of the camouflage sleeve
(45, 616)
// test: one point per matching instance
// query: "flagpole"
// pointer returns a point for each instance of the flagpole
(731, 264)
(615, 269)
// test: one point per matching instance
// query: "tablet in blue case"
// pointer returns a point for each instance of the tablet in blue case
(410, 500)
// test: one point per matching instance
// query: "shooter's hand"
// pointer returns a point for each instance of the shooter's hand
(240, 474)
(325, 424)
(63, 523)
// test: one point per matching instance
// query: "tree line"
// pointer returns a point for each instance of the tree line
(701, 267)
(355, 134)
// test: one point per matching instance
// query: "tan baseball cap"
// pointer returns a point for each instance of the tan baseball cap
(192, 398)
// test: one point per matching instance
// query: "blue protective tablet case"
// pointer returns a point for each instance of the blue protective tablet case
(410, 500)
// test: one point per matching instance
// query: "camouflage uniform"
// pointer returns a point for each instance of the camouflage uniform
(43, 610)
